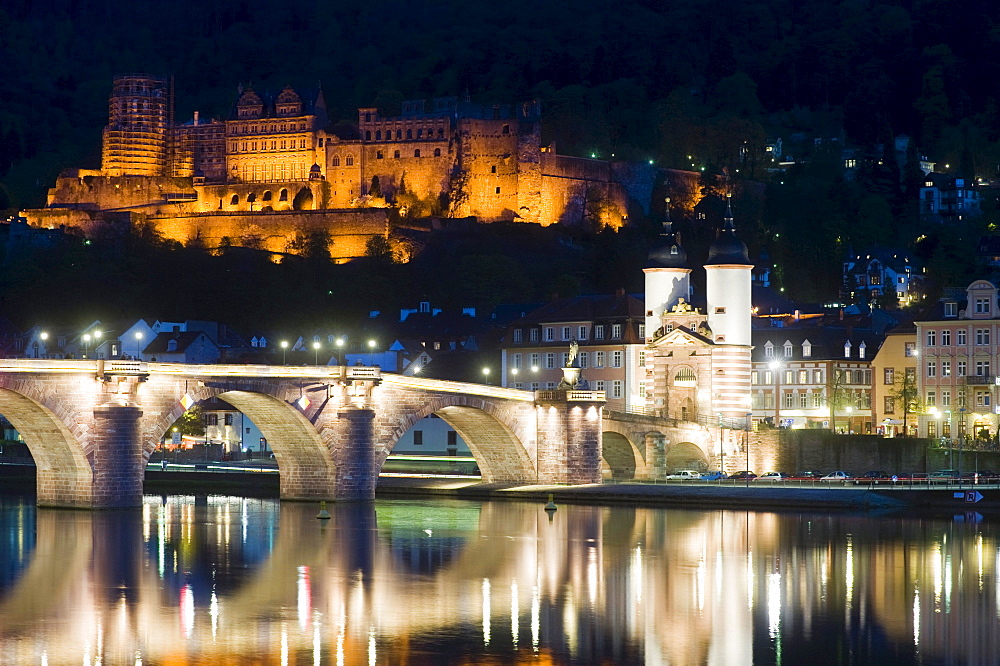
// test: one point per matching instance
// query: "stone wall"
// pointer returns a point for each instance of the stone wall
(791, 451)
(575, 189)
(276, 231)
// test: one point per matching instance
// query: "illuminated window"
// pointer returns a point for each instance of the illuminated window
(616, 331)
(599, 359)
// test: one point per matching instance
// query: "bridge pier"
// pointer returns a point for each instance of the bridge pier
(656, 456)
(569, 436)
(116, 457)
(354, 449)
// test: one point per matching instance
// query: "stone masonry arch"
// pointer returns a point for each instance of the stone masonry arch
(503, 455)
(303, 455)
(624, 450)
(63, 472)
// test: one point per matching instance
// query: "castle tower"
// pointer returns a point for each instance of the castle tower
(136, 140)
(668, 276)
(728, 281)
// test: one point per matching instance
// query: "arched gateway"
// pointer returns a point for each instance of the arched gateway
(92, 425)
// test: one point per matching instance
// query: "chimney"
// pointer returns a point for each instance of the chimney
(796, 315)
(195, 118)
(620, 292)
(841, 314)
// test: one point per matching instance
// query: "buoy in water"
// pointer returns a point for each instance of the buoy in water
(550, 506)
(323, 513)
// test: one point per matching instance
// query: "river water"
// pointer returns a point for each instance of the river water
(196, 580)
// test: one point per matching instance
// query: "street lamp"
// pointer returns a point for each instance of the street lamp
(340, 346)
(284, 352)
(138, 340)
(850, 412)
(486, 375)
(371, 352)
(315, 352)
(86, 344)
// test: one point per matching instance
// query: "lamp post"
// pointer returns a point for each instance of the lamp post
(86, 344)
(284, 352)
(776, 371)
(97, 341)
(371, 352)
(961, 438)
(486, 375)
(340, 347)
(722, 451)
(316, 352)
(746, 444)
(138, 341)
(850, 413)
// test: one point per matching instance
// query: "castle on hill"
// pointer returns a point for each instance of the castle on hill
(276, 168)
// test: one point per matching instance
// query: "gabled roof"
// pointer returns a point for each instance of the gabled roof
(585, 308)
(161, 343)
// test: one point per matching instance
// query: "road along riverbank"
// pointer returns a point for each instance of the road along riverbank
(265, 483)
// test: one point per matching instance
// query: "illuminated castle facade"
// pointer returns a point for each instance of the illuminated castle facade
(279, 154)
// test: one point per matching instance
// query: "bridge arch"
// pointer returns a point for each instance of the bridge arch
(303, 457)
(624, 450)
(499, 451)
(685, 455)
(63, 471)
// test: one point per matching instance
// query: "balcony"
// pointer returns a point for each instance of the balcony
(981, 380)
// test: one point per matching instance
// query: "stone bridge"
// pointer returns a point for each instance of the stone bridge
(640, 446)
(91, 425)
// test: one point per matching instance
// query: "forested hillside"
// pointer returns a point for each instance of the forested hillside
(696, 85)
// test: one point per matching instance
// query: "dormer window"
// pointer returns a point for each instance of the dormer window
(768, 350)
(861, 350)
(171, 345)
(788, 349)
(982, 306)
(847, 349)
(807, 349)
(951, 309)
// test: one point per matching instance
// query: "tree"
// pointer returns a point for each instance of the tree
(376, 187)
(837, 393)
(905, 393)
(379, 247)
(190, 423)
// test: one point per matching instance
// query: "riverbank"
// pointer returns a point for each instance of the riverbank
(264, 482)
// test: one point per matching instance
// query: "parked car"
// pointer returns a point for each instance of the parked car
(807, 475)
(873, 477)
(713, 475)
(684, 475)
(944, 476)
(838, 475)
(772, 476)
(745, 474)
(980, 476)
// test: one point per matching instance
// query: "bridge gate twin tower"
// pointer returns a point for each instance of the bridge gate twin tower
(92, 425)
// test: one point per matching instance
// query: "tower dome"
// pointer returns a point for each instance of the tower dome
(727, 248)
(667, 276)
(669, 253)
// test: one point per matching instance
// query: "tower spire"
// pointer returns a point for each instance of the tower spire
(729, 226)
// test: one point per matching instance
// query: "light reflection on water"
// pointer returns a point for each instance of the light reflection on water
(204, 580)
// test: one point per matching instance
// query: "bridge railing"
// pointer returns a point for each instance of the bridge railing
(701, 419)
(570, 396)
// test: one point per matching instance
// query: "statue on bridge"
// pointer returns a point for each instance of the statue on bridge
(571, 373)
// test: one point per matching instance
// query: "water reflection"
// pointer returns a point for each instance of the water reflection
(202, 580)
